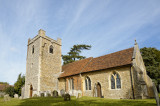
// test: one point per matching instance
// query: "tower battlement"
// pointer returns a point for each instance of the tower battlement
(43, 64)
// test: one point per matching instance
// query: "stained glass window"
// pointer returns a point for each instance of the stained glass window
(89, 83)
(72, 84)
(118, 81)
(112, 82)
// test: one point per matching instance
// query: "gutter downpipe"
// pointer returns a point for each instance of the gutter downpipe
(132, 81)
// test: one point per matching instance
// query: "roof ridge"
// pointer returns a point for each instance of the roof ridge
(113, 52)
(86, 64)
(76, 61)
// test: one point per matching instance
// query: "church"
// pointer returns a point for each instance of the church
(119, 75)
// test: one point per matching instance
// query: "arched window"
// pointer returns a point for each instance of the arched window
(115, 81)
(71, 84)
(32, 49)
(118, 81)
(51, 49)
(112, 82)
(88, 83)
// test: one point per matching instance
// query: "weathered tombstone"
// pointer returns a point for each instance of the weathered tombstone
(48, 94)
(156, 94)
(20, 97)
(35, 95)
(45, 93)
(62, 92)
(67, 97)
(42, 94)
(55, 93)
(16, 96)
(79, 95)
(6, 97)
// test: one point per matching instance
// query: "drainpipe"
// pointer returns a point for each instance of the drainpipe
(132, 82)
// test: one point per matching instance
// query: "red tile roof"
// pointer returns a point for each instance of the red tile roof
(116, 59)
(75, 67)
(3, 86)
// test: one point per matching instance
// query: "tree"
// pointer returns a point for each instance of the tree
(74, 53)
(19, 83)
(10, 90)
(151, 58)
(4, 83)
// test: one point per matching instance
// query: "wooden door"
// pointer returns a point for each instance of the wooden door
(98, 90)
(31, 91)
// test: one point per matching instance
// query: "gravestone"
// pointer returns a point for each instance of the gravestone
(42, 94)
(79, 95)
(48, 94)
(156, 94)
(35, 95)
(67, 97)
(55, 93)
(6, 97)
(62, 92)
(20, 97)
(16, 96)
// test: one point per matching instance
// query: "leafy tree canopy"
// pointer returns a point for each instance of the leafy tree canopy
(19, 83)
(4, 83)
(74, 53)
(151, 58)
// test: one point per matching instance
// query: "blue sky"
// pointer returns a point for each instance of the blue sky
(107, 25)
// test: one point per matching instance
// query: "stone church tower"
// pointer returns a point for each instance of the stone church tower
(43, 64)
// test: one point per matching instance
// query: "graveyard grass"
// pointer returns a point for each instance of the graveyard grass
(50, 101)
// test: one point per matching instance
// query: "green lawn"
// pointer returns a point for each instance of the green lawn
(50, 101)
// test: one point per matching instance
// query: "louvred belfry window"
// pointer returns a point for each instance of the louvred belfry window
(32, 49)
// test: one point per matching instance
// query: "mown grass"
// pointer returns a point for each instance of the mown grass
(50, 101)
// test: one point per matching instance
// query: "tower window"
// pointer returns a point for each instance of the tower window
(32, 49)
(51, 49)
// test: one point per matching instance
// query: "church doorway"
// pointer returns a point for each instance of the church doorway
(99, 93)
(31, 91)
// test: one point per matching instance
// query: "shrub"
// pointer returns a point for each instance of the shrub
(10, 90)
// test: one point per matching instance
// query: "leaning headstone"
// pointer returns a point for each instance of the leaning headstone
(62, 92)
(16, 96)
(67, 97)
(55, 93)
(156, 94)
(6, 97)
